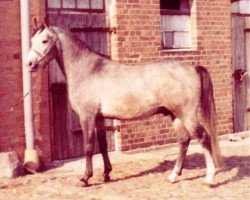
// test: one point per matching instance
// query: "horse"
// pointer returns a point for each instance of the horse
(100, 88)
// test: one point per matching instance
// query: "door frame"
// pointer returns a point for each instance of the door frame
(247, 61)
(239, 67)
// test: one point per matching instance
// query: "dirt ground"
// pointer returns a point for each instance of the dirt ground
(139, 176)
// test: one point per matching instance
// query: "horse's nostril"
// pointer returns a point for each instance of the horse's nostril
(30, 64)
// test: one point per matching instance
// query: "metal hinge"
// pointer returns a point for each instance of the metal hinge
(113, 128)
(107, 128)
(93, 29)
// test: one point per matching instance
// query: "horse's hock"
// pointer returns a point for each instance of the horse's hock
(10, 165)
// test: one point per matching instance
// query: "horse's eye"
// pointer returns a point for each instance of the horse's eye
(44, 41)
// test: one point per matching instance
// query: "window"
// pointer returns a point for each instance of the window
(77, 5)
(240, 6)
(175, 24)
(173, 5)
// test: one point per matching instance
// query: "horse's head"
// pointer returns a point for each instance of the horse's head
(43, 48)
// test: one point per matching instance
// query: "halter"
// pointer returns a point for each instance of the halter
(46, 53)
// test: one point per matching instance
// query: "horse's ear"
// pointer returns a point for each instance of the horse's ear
(54, 37)
(46, 22)
(35, 26)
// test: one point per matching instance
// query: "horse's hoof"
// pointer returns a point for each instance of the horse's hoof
(83, 183)
(209, 184)
(107, 178)
(171, 178)
(80, 184)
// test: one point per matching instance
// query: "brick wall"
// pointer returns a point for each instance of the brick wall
(138, 40)
(41, 94)
(138, 31)
(11, 123)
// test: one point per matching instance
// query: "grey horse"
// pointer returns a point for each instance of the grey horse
(100, 88)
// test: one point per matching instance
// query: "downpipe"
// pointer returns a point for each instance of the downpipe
(31, 157)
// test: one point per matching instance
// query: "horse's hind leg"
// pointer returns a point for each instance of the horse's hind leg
(204, 139)
(184, 140)
(103, 145)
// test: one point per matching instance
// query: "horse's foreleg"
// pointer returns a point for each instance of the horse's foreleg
(104, 151)
(184, 140)
(89, 141)
(103, 146)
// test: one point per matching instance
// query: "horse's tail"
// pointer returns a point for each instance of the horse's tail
(208, 112)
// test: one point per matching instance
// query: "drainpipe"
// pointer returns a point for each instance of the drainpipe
(31, 158)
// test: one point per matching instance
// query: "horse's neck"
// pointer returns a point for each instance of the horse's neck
(60, 62)
(74, 59)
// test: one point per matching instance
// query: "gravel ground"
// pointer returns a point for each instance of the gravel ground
(139, 176)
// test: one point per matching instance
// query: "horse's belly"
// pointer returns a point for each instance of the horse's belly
(129, 107)
(128, 114)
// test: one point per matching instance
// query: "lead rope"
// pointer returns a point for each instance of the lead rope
(18, 102)
(39, 54)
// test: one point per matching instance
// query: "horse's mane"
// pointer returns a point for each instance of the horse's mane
(75, 38)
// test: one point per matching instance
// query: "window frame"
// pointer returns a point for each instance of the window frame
(76, 8)
(174, 12)
(177, 12)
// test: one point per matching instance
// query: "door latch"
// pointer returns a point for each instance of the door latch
(239, 75)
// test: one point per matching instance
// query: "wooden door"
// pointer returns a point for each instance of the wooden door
(88, 21)
(239, 49)
(65, 143)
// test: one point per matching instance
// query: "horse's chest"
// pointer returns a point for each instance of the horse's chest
(83, 101)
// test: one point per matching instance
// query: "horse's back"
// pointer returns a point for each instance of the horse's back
(177, 81)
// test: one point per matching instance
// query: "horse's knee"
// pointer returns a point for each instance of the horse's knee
(203, 137)
(89, 150)
(185, 143)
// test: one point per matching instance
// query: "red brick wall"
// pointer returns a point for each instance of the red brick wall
(41, 103)
(11, 123)
(138, 40)
(138, 31)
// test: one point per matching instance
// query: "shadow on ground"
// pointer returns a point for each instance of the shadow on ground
(197, 161)
(193, 162)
